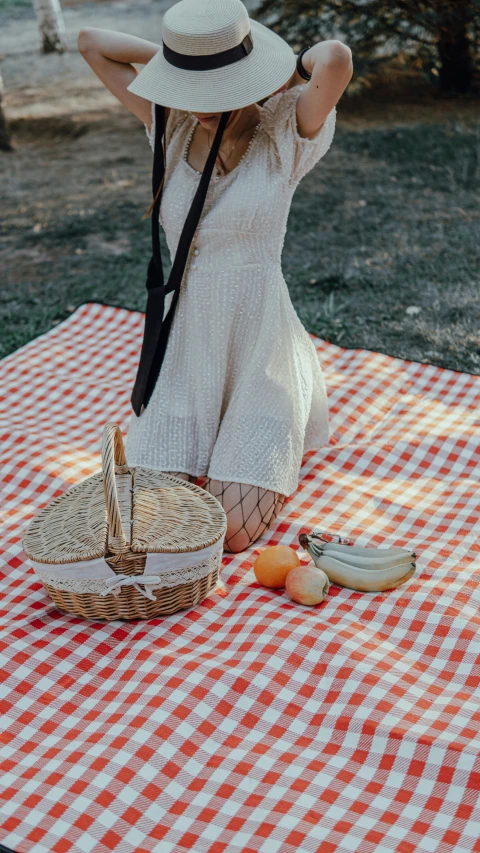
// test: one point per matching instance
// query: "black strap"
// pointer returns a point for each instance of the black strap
(205, 62)
(157, 328)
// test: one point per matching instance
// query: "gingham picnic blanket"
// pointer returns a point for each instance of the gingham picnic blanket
(249, 723)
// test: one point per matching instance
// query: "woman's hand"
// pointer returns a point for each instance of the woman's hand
(110, 55)
(330, 64)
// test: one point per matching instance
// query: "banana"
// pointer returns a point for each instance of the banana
(359, 568)
(375, 560)
(360, 551)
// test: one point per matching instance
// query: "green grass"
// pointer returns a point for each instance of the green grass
(81, 272)
(391, 222)
(387, 221)
(13, 5)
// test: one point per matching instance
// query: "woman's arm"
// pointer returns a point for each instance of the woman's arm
(110, 55)
(330, 64)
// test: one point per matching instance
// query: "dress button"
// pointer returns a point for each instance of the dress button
(195, 251)
(194, 266)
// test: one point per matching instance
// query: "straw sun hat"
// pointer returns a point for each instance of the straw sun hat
(214, 58)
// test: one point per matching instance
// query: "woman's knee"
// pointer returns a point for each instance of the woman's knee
(182, 476)
(250, 510)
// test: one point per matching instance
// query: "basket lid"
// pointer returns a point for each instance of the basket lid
(124, 509)
(159, 512)
(71, 527)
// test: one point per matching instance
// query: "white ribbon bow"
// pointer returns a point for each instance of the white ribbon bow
(115, 584)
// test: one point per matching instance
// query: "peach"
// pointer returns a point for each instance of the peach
(307, 585)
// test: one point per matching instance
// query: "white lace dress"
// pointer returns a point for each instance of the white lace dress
(241, 395)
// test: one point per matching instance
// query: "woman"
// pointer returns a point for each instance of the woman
(241, 396)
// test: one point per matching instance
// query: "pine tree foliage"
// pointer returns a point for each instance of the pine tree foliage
(441, 38)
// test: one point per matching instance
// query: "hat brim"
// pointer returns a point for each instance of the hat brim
(267, 67)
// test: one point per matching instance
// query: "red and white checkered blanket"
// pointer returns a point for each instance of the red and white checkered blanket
(249, 723)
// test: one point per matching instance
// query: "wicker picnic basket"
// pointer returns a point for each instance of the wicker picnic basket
(127, 543)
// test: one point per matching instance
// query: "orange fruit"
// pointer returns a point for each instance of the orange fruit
(273, 565)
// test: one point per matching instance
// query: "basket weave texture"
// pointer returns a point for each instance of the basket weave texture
(127, 543)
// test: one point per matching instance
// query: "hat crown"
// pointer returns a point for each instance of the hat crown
(204, 27)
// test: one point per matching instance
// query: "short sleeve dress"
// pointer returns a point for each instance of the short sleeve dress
(241, 395)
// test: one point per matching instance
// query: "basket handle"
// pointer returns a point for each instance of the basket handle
(113, 455)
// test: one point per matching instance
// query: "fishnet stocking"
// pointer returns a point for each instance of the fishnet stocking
(250, 509)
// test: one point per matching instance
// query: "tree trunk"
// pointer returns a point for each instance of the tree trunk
(5, 144)
(456, 69)
(51, 25)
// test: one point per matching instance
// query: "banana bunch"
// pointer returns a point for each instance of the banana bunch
(355, 567)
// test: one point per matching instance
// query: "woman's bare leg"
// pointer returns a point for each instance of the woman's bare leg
(183, 476)
(250, 510)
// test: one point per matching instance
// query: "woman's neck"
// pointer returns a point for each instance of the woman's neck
(240, 122)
